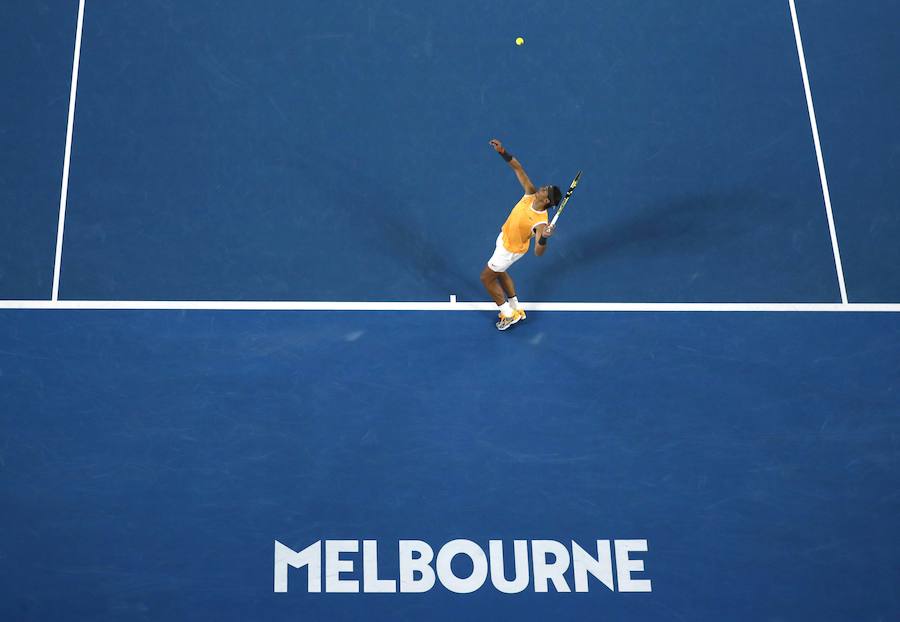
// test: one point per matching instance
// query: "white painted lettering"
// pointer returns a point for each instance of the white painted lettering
(445, 570)
(371, 582)
(625, 566)
(335, 566)
(601, 567)
(521, 574)
(545, 571)
(420, 564)
(311, 557)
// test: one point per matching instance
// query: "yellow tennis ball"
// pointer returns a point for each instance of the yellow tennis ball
(519, 40)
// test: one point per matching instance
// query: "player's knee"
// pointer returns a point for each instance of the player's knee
(488, 276)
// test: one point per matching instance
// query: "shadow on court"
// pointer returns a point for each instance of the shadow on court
(688, 234)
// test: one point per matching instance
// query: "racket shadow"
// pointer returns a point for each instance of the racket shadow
(693, 223)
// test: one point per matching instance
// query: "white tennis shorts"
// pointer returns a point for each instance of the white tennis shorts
(502, 259)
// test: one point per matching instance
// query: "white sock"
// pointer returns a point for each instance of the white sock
(513, 302)
(506, 310)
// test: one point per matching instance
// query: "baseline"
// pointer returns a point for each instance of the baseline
(260, 305)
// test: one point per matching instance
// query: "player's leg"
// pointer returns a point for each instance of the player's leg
(509, 288)
(491, 276)
(491, 282)
(507, 284)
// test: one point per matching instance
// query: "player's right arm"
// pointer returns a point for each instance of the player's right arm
(516, 167)
(542, 233)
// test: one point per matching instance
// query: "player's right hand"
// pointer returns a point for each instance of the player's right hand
(498, 147)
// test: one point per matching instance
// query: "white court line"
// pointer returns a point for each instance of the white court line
(815, 132)
(64, 191)
(252, 305)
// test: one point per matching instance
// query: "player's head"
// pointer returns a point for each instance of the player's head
(550, 196)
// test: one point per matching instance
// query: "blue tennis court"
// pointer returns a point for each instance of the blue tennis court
(248, 370)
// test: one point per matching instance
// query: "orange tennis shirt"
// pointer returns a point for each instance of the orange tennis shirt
(519, 227)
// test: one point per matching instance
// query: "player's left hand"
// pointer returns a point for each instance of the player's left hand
(548, 231)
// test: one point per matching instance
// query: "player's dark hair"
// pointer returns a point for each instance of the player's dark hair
(554, 195)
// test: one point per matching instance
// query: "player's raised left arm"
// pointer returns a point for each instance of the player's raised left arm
(515, 165)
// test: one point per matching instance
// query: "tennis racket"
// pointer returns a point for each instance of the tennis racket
(562, 204)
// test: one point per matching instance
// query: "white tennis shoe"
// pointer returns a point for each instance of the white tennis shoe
(507, 321)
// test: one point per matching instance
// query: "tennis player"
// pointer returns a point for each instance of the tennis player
(527, 219)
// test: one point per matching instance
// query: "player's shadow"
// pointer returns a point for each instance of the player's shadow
(386, 226)
(691, 223)
(419, 254)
